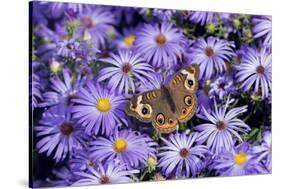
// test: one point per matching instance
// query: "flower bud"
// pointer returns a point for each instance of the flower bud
(211, 28)
(55, 67)
(151, 164)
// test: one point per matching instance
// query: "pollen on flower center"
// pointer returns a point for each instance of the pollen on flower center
(104, 180)
(260, 69)
(240, 158)
(126, 68)
(103, 104)
(66, 129)
(88, 22)
(120, 145)
(184, 153)
(209, 51)
(161, 39)
(220, 125)
(129, 40)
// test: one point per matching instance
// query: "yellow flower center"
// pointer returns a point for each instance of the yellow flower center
(103, 104)
(120, 145)
(240, 158)
(129, 40)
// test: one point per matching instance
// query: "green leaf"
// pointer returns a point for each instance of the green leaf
(259, 136)
(252, 134)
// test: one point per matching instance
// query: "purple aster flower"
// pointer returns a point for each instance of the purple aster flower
(255, 72)
(48, 49)
(154, 83)
(201, 18)
(159, 78)
(86, 53)
(80, 160)
(125, 69)
(38, 16)
(262, 29)
(237, 161)
(223, 127)
(160, 44)
(58, 134)
(43, 74)
(188, 46)
(124, 14)
(35, 90)
(264, 151)
(79, 51)
(56, 9)
(64, 177)
(67, 48)
(222, 86)
(163, 14)
(96, 23)
(62, 90)
(99, 110)
(243, 52)
(109, 173)
(204, 101)
(129, 147)
(211, 55)
(181, 156)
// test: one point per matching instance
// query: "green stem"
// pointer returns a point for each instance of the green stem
(144, 173)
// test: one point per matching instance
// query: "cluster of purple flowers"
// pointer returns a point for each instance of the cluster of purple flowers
(88, 60)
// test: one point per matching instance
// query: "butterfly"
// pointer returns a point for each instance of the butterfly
(170, 104)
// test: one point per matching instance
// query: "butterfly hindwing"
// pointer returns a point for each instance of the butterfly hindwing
(165, 119)
(154, 106)
(186, 104)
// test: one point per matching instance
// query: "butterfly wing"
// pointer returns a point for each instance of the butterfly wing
(183, 87)
(143, 106)
(153, 106)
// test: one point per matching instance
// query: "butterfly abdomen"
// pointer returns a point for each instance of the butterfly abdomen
(167, 95)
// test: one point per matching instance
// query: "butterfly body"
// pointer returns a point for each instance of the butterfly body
(170, 104)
